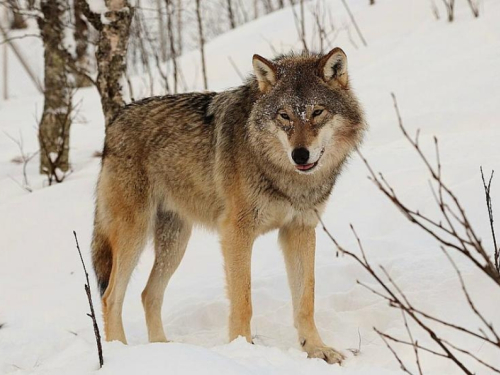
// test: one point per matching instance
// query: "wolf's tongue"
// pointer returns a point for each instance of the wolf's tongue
(304, 167)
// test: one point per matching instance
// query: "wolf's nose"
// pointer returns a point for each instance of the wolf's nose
(300, 155)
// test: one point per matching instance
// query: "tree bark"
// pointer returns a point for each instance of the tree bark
(81, 35)
(55, 124)
(111, 52)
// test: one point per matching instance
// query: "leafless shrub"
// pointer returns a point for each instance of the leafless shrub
(24, 159)
(454, 233)
(323, 27)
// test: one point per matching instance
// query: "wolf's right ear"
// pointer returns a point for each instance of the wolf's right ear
(265, 71)
(333, 68)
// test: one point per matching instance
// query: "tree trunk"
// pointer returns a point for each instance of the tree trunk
(111, 56)
(53, 133)
(230, 14)
(111, 52)
(171, 38)
(81, 35)
(179, 28)
(161, 32)
(202, 44)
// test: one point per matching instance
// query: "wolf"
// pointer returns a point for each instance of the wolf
(243, 162)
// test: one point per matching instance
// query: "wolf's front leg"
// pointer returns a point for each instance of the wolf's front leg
(299, 245)
(237, 240)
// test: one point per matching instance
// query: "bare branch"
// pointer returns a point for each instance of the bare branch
(92, 311)
(487, 189)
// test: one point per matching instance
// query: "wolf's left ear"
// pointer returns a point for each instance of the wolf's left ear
(333, 68)
(265, 71)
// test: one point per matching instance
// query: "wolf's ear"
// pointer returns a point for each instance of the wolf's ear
(265, 71)
(333, 68)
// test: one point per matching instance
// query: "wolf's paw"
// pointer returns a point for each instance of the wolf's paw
(326, 353)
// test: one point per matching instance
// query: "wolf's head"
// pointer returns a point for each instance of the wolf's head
(306, 117)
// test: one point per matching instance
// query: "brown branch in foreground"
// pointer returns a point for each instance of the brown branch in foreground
(456, 233)
(92, 312)
(394, 300)
(487, 189)
(464, 240)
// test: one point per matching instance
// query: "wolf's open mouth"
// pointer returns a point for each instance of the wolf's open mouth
(310, 166)
(306, 167)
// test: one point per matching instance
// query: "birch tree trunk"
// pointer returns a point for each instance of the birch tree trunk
(111, 52)
(81, 35)
(54, 127)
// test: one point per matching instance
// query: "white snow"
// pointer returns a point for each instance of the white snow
(446, 78)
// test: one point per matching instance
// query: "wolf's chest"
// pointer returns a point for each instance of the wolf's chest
(276, 214)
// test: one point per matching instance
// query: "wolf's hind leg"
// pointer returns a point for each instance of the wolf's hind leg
(299, 245)
(127, 240)
(171, 237)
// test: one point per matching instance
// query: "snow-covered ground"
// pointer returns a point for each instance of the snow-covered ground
(447, 80)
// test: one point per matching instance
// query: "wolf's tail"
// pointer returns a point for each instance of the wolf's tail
(102, 257)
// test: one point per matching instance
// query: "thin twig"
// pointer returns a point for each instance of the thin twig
(92, 312)
(487, 190)
(354, 23)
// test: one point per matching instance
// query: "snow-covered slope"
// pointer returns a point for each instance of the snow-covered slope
(446, 78)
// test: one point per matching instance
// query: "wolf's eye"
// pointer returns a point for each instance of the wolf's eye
(284, 116)
(317, 112)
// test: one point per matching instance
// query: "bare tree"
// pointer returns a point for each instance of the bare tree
(230, 14)
(178, 8)
(161, 32)
(54, 127)
(171, 37)
(111, 51)
(202, 44)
